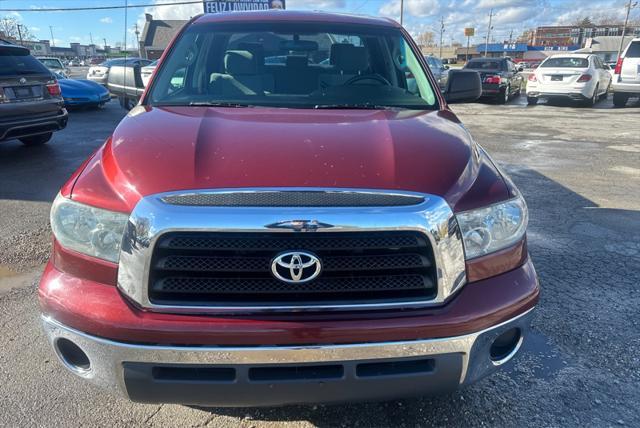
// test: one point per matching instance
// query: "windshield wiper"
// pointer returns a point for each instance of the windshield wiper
(218, 104)
(365, 106)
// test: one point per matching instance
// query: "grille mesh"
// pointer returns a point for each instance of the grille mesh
(311, 243)
(293, 199)
(234, 269)
(267, 285)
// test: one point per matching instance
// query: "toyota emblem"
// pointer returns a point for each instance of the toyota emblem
(22, 80)
(296, 267)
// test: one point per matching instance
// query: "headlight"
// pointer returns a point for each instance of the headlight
(493, 228)
(88, 230)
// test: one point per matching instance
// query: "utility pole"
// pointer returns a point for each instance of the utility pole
(91, 38)
(629, 6)
(441, 34)
(20, 34)
(486, 45)
(53, 40)
(401, 12)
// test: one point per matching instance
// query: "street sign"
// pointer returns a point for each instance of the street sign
(469, 32)
(214, 6)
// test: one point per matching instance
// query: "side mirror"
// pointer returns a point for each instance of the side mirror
(446, 67)
(463, 86)
(520, 69)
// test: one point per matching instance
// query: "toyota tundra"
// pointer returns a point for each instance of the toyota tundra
(260, 232)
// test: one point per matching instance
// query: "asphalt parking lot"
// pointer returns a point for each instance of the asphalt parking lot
(579, 169)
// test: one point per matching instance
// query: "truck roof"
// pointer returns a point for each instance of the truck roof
(294, 16)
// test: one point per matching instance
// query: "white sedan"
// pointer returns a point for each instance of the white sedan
(578, 77)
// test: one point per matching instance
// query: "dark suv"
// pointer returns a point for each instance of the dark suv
(31, 106)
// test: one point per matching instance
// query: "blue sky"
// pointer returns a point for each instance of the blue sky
(420, 15)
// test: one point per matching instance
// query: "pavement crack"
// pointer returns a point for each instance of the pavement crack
(146, 421)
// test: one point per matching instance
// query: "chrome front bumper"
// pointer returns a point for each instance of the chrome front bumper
(130, 368)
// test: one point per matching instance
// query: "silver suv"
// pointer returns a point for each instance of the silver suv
(626, 79)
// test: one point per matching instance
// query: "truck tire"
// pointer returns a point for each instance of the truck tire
(620, 100)
(36, 140)
(127, 103)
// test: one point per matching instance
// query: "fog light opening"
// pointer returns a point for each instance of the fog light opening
(72, 356)
(505, 347)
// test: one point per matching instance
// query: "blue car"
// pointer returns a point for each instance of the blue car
(82, 93)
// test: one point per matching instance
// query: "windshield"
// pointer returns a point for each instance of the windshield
(16, 61)
(484, 65)
(290, 65)
(567, 62)
(51, 63)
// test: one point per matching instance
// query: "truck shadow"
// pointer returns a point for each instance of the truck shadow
(37, 173)
(586, 258)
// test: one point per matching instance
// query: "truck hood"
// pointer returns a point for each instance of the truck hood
(157, 150)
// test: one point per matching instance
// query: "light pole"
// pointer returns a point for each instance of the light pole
(53, 40)
(401, 12)
(629, 6)
(137, 32)
(441, 34)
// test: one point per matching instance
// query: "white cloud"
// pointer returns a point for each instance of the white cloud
(318, 5)
(184, 11)
(106, 20)
(419, 8)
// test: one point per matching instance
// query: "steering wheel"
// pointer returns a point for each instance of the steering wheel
(374, 77)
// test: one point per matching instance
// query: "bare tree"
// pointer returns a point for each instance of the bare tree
(426, 39)
(607, 19)
(585, 22)
(9, 27)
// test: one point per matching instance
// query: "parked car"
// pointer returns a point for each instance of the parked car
(501, 77)
(626, 79)
(577, 77)
(55, 65)
(100, 73)
(125, 82)
(31, 107)
(257, 235)
(147, 72)
(82, 93)
(74, 63)
(439, 70)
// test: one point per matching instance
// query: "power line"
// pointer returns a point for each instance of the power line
(83, 8)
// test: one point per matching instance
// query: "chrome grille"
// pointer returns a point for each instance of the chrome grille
(369, 241)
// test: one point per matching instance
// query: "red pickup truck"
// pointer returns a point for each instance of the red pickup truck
(291, 214)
